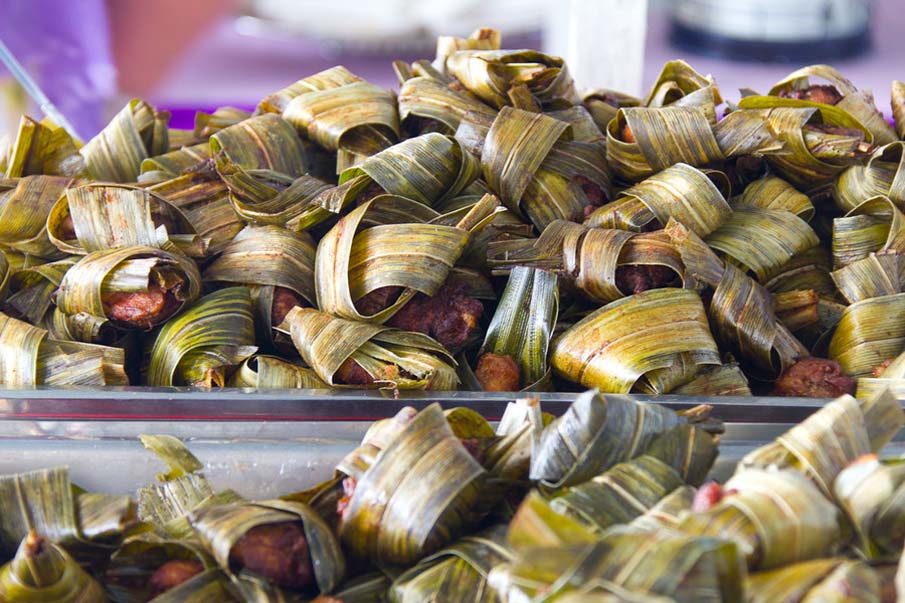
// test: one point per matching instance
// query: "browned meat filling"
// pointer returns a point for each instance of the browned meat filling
(450, 317)
(173, 573)
(143, 310)
(284, 300)
(814, 378)
(818, 94)
(627, 134)
(498, 373)
(709, 495)
(595, 195)
(377, 300)
(351, 373)
(67, 230)
(638, 278)
(278, 552)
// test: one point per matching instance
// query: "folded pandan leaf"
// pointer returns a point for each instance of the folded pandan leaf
(822, 445)
(762, 240)
(457, 573)
(390, 241)
(678, 80)
(876, 275)
(618, 346)
(271, 372)
(174, 163)
(603, 104)
(28, 357)
(390, 357)
(644, 140)
(808, 158)
(31, 289)
(24, 210)
(898, 107)
(807, 270)
(587, 440)
(666, 514)
(43, 148)
(882, 176)
(890, 374)
(680, 192)
(724, 380)
(137, 132)
(342, 112)
(772, 192)
(538, 168)
(525, 336)
(873, 225)
(42, 571)
(95, 216)
(870, 491)
(221, 529)
(858, 103)
(223, 117)
(493, 74)
(865, 336)
(483, 38)
(204, 344)
(775, 517)
(132, 287)
(427, 98)
(46, 502)
(206, 204)
(630, 565)
(422, 492)
(838, 580)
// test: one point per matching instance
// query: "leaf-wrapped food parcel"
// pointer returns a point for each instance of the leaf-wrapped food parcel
(174, 163)
(42, 571)
(24, 211)
(43, 148)
(871, 492)
(132, 287)
(483, 38)
(430, 99)
(865, 336)
(678, 80)
(492, 75)
(875, 224)
(137, 132)
(898, 107)
(882, 175)
(363, 354)
(834, 580)
(284, 543)
(422, 492)
(622, 343)
(776, 517)
(204, 344)
(772, 192)
(272, 372)
(878, 274)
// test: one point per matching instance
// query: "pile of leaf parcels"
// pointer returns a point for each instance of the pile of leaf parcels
(486, 227)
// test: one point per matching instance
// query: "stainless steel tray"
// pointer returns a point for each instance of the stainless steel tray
(269, 443)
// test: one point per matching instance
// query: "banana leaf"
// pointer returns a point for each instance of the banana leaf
(822, 445)
(619, 495)
(492, 74)
(643, 333)
(865, 336)
(31, 289)
(98, 285)
(457, 573)
(42, 571)
(28, 357)
(589, 438)
(390, 357)
(420, 494)
(876, 275)
(678, 80)
(426, 98)
(94, 217)
(270, 372)
(826, 580)
(204, 344)
(137, 132)
(24, 211)
(206, 204)
(898, 107)
(870, 491)
(403, 248)
(688, 569)
(874, 225)
(483, 38)
(883, 175)
(220, 528)
(207, 124)
(43, 148)
(680, 192)
(174, 163)
(776, 517)
(859, 104)
(772, 192)
(525, 335)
